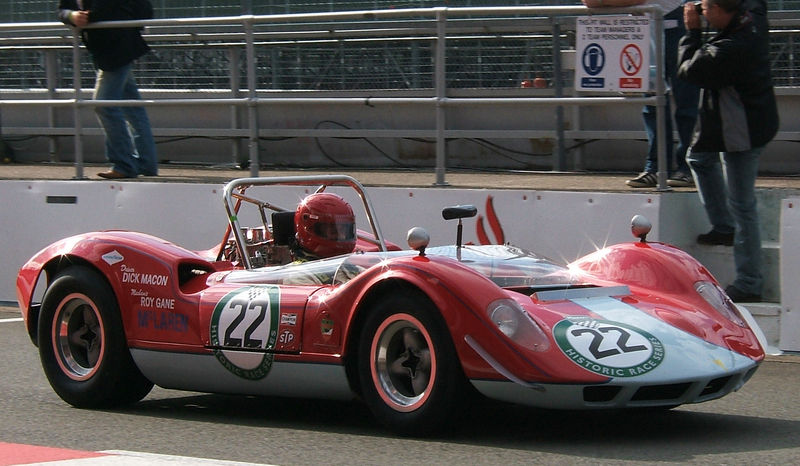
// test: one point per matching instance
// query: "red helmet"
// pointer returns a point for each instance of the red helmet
(325, 225)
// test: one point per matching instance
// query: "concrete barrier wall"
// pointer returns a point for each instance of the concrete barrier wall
(790, 271)
(560, 225)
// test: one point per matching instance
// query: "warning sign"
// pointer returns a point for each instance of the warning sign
(613, 53)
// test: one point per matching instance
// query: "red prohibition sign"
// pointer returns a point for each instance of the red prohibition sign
(630, 59)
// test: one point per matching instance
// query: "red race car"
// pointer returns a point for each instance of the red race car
(303, 302)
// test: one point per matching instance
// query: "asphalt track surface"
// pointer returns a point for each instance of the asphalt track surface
(760, 424)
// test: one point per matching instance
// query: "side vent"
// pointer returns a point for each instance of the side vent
(192, 277)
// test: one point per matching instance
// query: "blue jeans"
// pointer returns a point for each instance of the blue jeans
(685, 95)
(726, 183)
(130, 146)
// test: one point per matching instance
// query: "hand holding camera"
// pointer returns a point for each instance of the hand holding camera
(692, 11)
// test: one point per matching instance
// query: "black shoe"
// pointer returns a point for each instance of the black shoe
(739, 296)
(680, 180)
(644, 180)
(715, 238)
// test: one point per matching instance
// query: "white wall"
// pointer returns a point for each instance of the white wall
(560, 225)
(789, 272)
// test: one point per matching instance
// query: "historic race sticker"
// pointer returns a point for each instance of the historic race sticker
(244, 324)
(608, 348)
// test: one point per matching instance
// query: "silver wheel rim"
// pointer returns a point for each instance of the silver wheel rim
(404, 362)
(78, 337)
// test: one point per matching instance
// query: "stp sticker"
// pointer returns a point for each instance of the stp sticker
(608, 348)
(246, 321)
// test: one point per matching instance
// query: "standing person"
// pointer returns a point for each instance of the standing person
(738, 117)
(684, 94)
(129, 144)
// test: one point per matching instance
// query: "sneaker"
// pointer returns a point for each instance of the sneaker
(644, 180)
(680, 180)
(715, 238)
(739, 296)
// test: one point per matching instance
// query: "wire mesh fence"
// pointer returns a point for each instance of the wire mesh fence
(362, 63)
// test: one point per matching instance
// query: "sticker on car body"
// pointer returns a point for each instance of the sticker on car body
(608, 348)
(244, 325)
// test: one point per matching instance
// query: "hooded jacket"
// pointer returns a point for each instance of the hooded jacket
(110, 48)
(737, 109)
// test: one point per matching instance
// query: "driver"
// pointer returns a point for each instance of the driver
(325, 226)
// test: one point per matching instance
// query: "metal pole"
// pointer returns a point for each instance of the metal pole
(560, 154)
(661, 116)
(50, 71)
(76, 108)
(252, 104)
(441, 93)
(235, 77)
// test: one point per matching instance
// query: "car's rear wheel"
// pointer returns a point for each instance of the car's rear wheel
(409, 370)
(82, 343)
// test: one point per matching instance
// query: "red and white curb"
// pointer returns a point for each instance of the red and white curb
(17, 454)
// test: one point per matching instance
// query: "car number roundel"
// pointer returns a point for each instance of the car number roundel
(244, 325)
(608, 348)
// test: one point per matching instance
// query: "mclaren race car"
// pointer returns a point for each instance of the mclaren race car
(304, 301)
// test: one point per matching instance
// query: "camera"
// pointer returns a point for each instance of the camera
(698, 7)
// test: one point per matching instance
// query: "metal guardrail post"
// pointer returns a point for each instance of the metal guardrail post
(657, 19)
(235, 80)
(440, 80)
(560, 152)
(76, 107)
(51, 78)
(252, 103)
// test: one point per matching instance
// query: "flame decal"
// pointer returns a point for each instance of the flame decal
(494, 224)
(481, 232)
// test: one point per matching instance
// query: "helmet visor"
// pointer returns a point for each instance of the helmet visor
(336, 231)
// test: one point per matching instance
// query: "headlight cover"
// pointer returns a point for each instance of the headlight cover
(511, 319)
(716, 297)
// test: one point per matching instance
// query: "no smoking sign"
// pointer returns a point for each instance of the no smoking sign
(613, 53)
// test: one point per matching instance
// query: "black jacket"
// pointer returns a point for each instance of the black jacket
(109, 48)
(738, 110)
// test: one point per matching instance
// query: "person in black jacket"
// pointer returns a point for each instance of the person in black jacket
(129, 145)
(738, 116)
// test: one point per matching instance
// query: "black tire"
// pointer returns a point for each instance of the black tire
(82, 343)
(409, 371)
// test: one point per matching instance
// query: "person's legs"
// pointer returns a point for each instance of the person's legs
(119, 146)
(651, 126)
(741, 169)
(707, 170)
(684, 94)
(140, 130)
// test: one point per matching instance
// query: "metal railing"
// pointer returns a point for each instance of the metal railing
(437, 25)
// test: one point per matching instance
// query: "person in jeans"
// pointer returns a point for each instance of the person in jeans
(738, 117)
(684, 94)
(129, 144)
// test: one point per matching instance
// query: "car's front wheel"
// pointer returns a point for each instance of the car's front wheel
(409, 371)
(82, 343)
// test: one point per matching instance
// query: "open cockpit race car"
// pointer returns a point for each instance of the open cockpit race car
(412, 332)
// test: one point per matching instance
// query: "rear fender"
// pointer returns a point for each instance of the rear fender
(143, 272)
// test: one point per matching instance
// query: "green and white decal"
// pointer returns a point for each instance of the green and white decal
(607, 347)
(243, 326)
